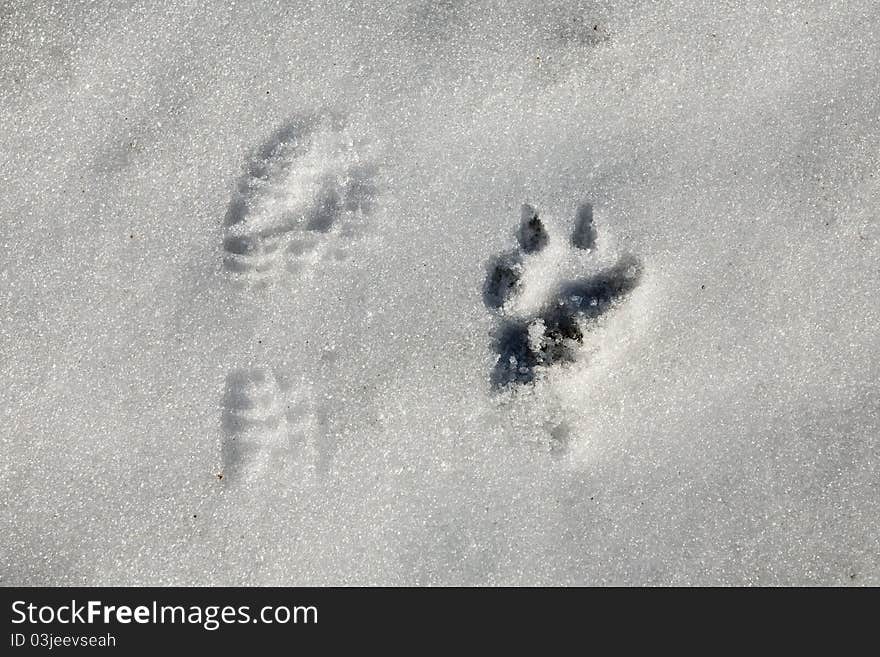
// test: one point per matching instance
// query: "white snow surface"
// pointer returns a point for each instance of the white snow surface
(319, 409)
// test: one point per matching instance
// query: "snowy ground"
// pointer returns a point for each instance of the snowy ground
(249, 332)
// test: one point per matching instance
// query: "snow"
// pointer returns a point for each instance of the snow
(316, 405)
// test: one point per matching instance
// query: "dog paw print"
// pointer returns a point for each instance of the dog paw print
(552, 327)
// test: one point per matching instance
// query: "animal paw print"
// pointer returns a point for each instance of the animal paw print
(532, 337)
(308, 185)
(266, 433)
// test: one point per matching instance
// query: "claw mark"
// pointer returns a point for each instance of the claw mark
(584, 236)
(502, 280)
(532, 235)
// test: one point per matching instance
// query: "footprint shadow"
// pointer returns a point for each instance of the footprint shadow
(264, 163)
(333, 192)
(252, 422)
